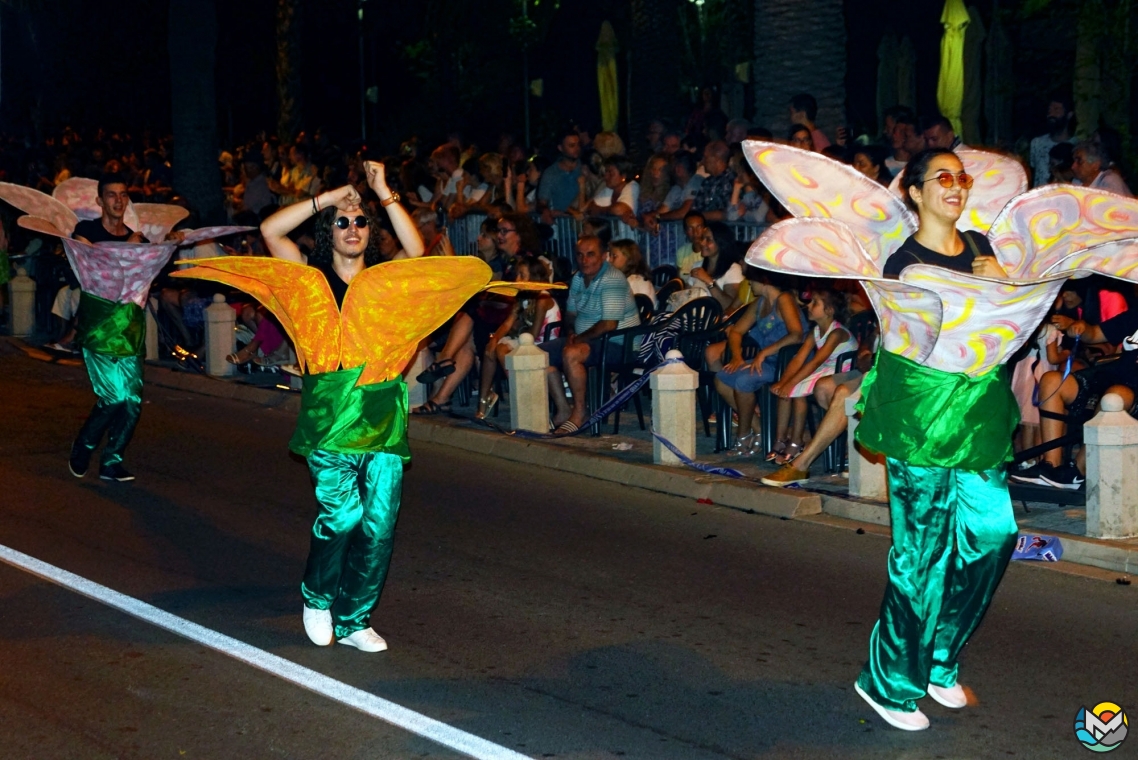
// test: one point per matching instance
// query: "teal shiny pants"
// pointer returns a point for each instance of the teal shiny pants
(358, 497)
(117, 381)
(953, 534)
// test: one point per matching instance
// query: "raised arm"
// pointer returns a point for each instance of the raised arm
(404, 227)
(275, 229)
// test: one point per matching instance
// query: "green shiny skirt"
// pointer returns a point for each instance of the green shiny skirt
(117, 382)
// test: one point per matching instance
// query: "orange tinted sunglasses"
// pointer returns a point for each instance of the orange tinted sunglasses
(947, 179)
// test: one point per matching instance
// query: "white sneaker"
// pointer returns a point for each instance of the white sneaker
(366, 640)
(318, 626)
(953, 697)
(906, 721)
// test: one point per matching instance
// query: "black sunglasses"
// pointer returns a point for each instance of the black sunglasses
(342, 222)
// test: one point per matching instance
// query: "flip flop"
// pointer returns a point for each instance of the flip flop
(432, 408)
(437, 371)
(566, 428)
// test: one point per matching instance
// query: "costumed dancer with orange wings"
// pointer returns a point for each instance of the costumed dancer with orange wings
(356, 324)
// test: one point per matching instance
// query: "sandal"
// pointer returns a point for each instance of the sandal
(777, 450)
(566, 428)
(745, 445)
(486, 406)
(437, 371)
(432, 408)
(793, 450)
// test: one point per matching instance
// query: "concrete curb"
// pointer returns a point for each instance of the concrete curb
(748, 497)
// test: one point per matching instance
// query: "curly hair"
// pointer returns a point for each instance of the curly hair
(321, 255)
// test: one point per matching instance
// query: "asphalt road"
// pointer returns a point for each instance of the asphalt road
(554, 615)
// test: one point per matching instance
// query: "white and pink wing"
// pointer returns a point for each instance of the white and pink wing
(809, 184)
(1043, 227)
(97, 268)
(812, 248)
(41, 205)
(909, 317)
(983, 321)
(155, 220)
(79, 194)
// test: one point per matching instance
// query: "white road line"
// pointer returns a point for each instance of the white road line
(365, 702)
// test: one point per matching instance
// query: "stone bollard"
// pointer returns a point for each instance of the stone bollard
(220, 340)
(529, 394)
(1111, 439)
(417, 393)
(151, 330)
(867, 471)
(22, 304)
(673, 409)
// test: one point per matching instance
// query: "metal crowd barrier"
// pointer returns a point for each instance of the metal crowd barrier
(658, 248)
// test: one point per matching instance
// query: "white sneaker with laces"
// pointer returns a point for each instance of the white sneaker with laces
(366, 640)
(953, 697)
(906, 721)
(318, 626)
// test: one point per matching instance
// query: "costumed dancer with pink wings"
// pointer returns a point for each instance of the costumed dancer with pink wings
(106, 241)
(958, 287)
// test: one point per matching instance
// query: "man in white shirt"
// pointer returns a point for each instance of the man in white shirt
(1092, 168)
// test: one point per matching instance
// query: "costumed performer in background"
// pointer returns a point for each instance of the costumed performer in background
(953, 307)
(356, 324)
(106, 241)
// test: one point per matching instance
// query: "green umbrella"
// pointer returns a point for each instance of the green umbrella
(950, 85)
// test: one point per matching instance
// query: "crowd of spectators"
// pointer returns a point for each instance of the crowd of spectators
(695, 174)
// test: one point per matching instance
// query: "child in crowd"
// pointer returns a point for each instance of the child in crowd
(625, 255)
(826, 309)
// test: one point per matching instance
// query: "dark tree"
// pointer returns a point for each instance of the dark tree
(290, 90)
(656, 41)
(193, 48)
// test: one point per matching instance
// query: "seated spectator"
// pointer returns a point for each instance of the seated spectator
(678, 202)
(256, 194)
(1092, 168)
(600, 301)
(608, 145)
(600, 227)
(416, 179)
(655, 185)
(1058, 390)
(804, 110)
(800, 137)
(670, 144)
(736, 131)
(714, 194)
(1044, 353)
(487, 247)
(300, 181)
(831, 394)
(268, 346)
(388, 242)
(720, 273)
(815, 359)
(870, 161)
(620, 195)
(625, 256)
(690, 254)
(446, 166)
(532, 313)
(771, 321)
(435, 241)
(65, 310)
(471, 190)
(906, 141)
(1061, 162)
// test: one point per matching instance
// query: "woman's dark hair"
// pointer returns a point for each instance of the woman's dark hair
(321, 255)
(626, 168)
(471, 167)
(728, 249)
(527, 232)
(834, 300)
(636, 262)
(796, 128)
(876, 155)
(915, 171)
(781, 280)
(541, 163)
(688, 161)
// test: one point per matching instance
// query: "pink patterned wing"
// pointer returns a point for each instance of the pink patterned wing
(79, 194)
(984, 322)
(210, 233)
(909, 317)
(811, 185)
(812, 247)
(1115, 258)
(139, 265)
(997, 180)
(96, 267)
(40, 204)
(1040, 228)
(155, 220)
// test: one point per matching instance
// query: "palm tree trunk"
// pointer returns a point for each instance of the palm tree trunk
(290, 93)
(193, 45)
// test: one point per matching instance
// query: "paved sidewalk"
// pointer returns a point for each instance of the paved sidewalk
(631, 464)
